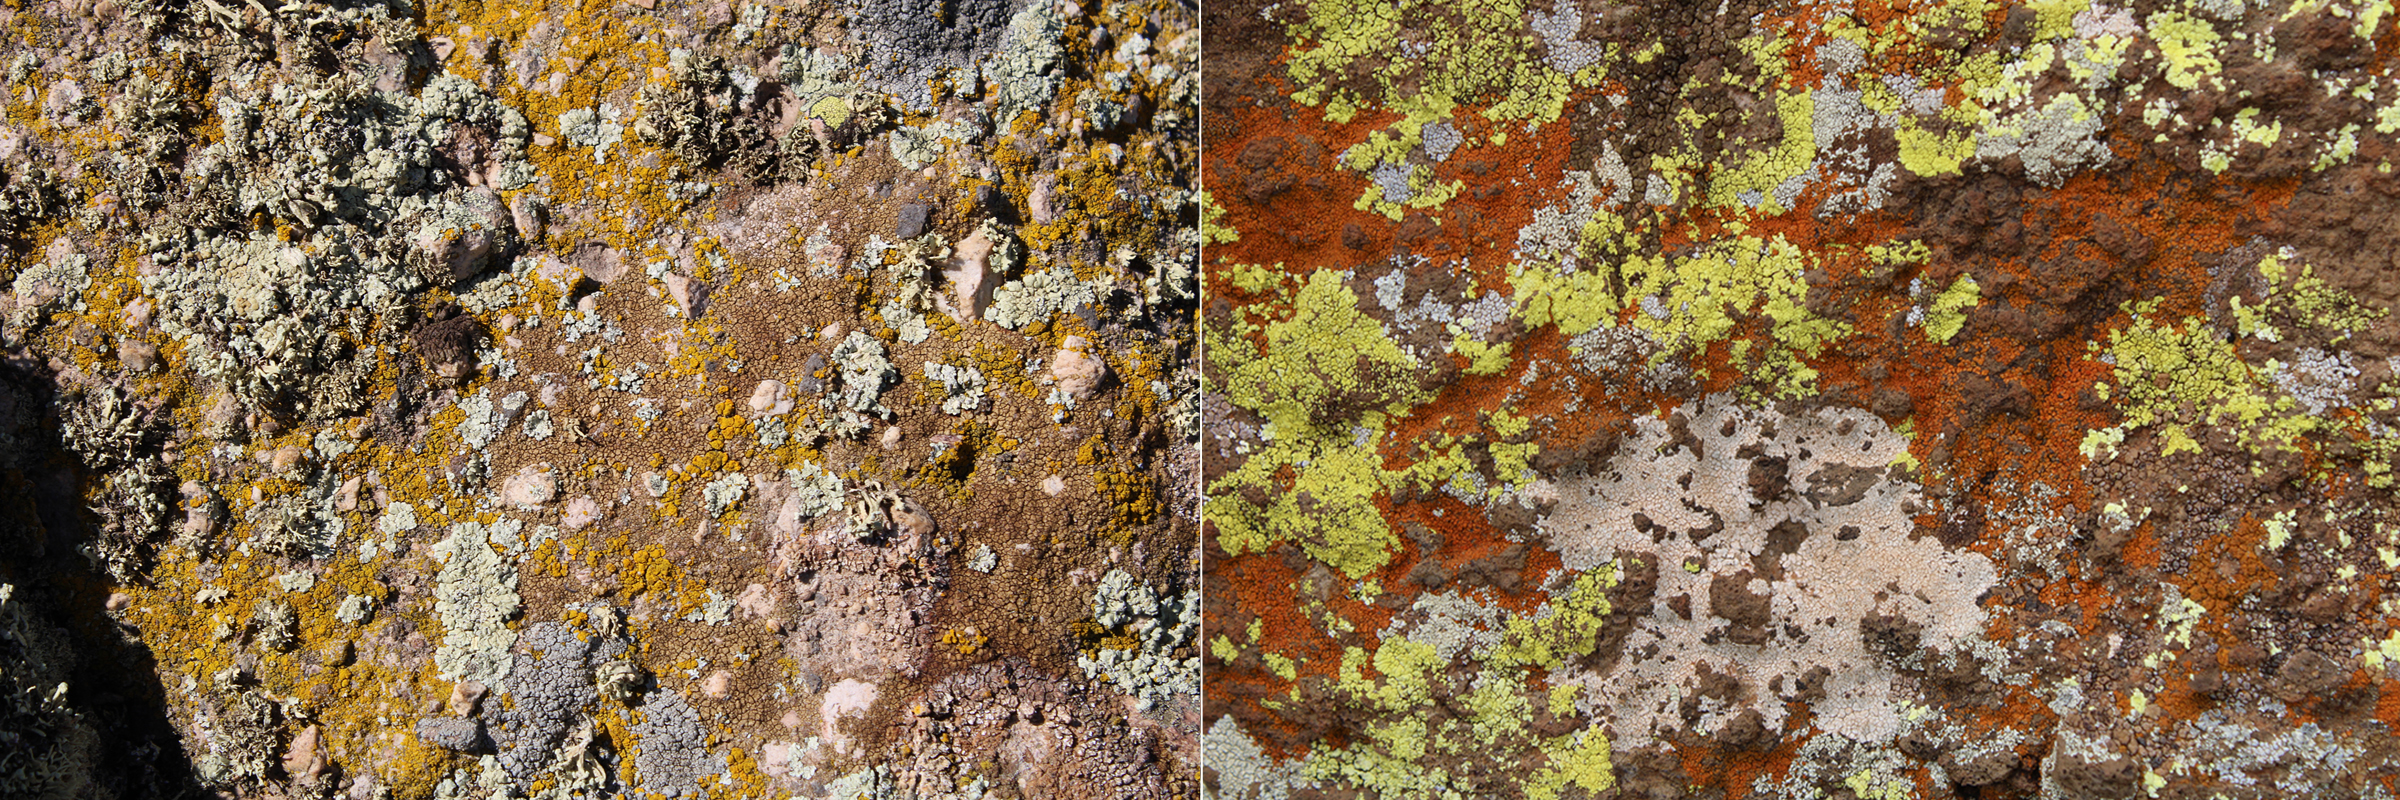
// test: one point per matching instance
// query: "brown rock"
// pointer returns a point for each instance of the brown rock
(466, 697)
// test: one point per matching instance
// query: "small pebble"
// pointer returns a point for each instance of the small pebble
(287, 458)
(580, 513)
(466, 697)
(914, 218)
(137, 355)
(529, 488)
(347, 498)
(1075, 372)
(689, 294)
(771, 398)
(304, 762)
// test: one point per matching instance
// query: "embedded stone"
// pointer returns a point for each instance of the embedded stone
(771, 398)
(304, 762)
(138, 356)
(689, 294)
(914, 219)
(346, 499)
(580, 513)
(970, 277)
(529, 488)
(466, 697)
(1074, 371)
(1043, 200)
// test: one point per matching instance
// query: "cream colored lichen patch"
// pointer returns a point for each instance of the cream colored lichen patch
(1838, 466)
(475, 596)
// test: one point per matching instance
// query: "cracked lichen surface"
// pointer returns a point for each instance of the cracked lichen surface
(591, 399)
(1947, 399)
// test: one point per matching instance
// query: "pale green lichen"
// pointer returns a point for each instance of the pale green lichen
(1149, 672)
(815, 492)
(962, 387)
(864, 371)
(724, 493)
(1039, 295)
(475, 595)
(1948, 311)
(1327, 352)
(598, 129)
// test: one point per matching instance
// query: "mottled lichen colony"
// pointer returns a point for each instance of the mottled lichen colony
(1876, 400)
(644, 399)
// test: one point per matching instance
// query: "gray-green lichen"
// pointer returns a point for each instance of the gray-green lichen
(1039, 295)
(962, 387)
(475, 595)
(1149, 673)
(1028, 72)
(725, 492)
(864, 373)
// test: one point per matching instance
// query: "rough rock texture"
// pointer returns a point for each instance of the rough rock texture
(1749, 399)
(416, 400)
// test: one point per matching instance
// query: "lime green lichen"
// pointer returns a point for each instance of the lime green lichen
(1948, 313)
(1440, 464)
(1690, 301)
(1327, 353)
(1466, 58)
(2188, 45)
(1489, 716)
(2386, 652)
(1283, 666)
(1212, 229)
(1393, 145)
(1482, 359)
(1566, 627)
(2055, 19)
(2101, 445)
(1764, 171)
(1703, 296)
(1423, 192)
(1929, 154)
(2179, 378)
(1867, 787)
(2247, 128)
(1582, 761)
(1223, 648)
(1507, 425)
(1251, 277)
(1512, 463)
(2311, 299)
(1576, 303)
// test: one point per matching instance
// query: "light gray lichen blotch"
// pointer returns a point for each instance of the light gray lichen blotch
(475, 595)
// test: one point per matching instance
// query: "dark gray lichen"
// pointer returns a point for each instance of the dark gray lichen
(458, 734)
(909, 44)
(550, 690)
(673, 752)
